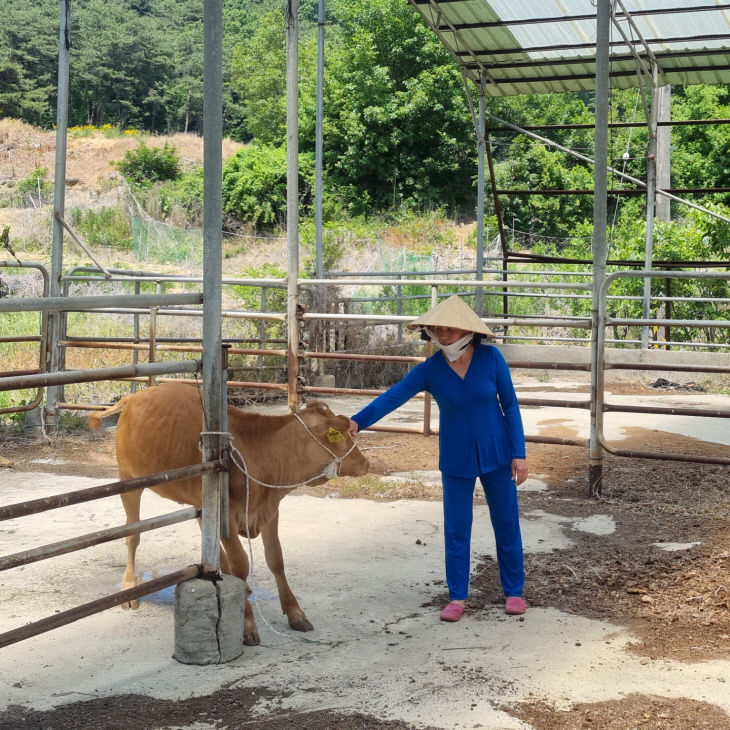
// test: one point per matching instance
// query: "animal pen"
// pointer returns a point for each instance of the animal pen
(316, 309)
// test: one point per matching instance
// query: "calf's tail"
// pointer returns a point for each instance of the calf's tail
(96, 417)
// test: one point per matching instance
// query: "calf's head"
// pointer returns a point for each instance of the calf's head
(332, 434)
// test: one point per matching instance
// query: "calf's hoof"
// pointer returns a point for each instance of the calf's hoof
(301, 624)
(133, 604)
(251, 638)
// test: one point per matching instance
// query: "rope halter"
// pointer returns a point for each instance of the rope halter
(332, 469)
(329, 471)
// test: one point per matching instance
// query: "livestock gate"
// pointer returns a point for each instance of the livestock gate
(316, 309)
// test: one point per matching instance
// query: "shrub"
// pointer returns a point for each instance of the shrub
(183, 197)
(104, 227)
(150, 164)
(34, 189)
(336, 240)
(254, 184)
(250, 296)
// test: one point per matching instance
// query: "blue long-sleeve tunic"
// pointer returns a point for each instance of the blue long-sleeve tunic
(480, 427)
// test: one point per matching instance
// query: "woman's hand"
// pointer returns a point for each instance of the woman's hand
(354, 427)
(519, 470)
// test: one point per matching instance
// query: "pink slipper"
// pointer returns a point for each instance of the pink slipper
(514, 606)
(452, 612)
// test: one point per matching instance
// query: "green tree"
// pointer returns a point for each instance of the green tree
(180, 88)
(118, 62)
(258, 73)
(398, 126)
(701, 154)
(396, 122)
(11, 88)
(28, 53)
(531, 165)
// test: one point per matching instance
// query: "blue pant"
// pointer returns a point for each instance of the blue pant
(501, 494)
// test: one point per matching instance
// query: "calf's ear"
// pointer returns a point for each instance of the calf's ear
(320, 406)
(341, 423)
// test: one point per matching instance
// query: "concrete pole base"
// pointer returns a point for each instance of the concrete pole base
(33, 422)
(209, 620)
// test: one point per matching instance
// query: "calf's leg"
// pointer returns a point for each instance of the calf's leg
(131, 502)
(238, 566)
(275, 560)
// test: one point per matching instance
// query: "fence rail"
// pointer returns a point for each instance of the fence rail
(37, 506)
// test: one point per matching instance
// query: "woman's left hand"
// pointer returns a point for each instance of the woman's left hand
(519, 470)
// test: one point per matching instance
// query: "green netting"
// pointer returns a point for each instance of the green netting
(165, 243)
(402, 260)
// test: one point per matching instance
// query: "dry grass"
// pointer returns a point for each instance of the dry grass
(89, 159)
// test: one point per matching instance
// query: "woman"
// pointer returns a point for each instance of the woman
(480, 435)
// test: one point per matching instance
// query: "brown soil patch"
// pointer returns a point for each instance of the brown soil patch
(634, 711)
(225, 709)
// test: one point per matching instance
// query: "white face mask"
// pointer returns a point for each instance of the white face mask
(456, 349)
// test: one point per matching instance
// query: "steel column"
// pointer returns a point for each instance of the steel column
(214, 401)
(481, 146)
(318, 142)
(292, 198)
(55, 319)
(651, 153)
(600, 249)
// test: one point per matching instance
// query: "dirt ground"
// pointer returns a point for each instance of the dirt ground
(676, 602)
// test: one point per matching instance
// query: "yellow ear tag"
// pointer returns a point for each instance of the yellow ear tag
(333, 435)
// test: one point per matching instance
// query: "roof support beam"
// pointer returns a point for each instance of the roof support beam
(433, 20)
(650, 204)
(590, 47)
(572, 18)
(613, 170)
(614, 74)
(648, 70)
(582, 60)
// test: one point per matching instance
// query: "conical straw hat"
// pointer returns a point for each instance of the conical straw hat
(452, 312)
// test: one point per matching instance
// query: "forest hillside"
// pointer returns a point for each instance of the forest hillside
(398, 127)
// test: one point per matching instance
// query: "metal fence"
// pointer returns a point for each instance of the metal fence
(39, 380)
(153, 307)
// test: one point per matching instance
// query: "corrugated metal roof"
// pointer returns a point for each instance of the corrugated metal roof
(548, 46)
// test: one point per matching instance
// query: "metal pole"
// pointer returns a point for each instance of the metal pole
(135, 331)
(39, 380)
(500, 223)
(55, 319)
(481, 145)
(429, 351)
(214, 403)
(600, 249)
(663, 151)
(292, 199)
(318, 146)
(650, 205)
